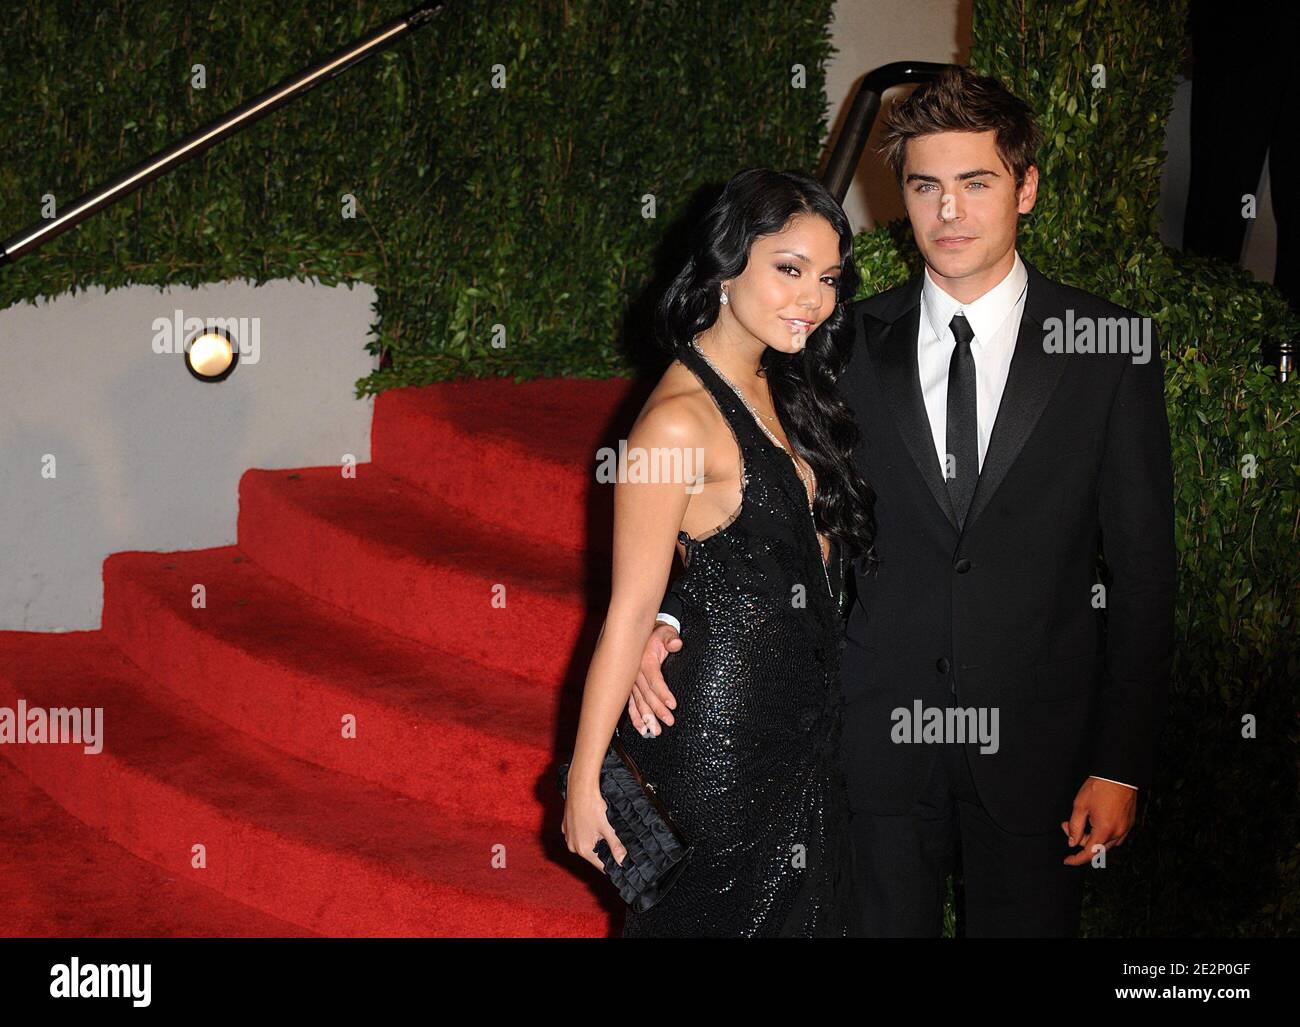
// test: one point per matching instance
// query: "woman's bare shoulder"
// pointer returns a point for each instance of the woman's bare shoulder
(677, 411)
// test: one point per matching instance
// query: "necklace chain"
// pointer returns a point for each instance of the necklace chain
(750, 406)
(776, 442)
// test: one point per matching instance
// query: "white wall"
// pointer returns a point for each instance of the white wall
(146, 456)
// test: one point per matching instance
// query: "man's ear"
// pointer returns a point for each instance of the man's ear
(1028, 192)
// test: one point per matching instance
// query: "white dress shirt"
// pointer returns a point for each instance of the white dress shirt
(995, 319)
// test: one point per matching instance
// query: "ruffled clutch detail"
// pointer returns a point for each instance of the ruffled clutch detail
(657, 852)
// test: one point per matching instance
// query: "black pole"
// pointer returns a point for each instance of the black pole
(862, 114)
(197, 142)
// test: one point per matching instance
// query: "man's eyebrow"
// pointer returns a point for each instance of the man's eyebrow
(833, 267)
(964, 175)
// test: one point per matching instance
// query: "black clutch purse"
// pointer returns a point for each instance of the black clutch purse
(657, 852)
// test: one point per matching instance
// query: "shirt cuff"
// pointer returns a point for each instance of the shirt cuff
(668, 618)
(1114, 782)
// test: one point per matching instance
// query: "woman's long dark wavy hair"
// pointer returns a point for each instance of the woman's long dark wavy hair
(758, 202)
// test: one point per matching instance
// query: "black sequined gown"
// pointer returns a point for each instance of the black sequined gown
(749, 770)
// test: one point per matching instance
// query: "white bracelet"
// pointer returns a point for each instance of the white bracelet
(668, 618)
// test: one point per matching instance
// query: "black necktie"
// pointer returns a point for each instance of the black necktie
(963, 467)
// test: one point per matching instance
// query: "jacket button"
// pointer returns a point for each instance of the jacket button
(962, 565)
(942, 665)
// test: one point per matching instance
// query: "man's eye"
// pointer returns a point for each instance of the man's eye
(980, 184)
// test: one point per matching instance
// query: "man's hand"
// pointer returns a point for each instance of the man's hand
(650, 697)
(1109, 810)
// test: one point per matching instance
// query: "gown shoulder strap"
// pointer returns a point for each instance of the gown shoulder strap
(733, 409)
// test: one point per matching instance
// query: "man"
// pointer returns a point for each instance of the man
(1014, 431)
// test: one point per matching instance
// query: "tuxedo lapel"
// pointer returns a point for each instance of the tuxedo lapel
(1032, 376)
(892, 346)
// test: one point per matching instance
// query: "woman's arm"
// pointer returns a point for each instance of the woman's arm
(647, 517)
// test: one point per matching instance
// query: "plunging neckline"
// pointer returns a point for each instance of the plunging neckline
(803, 488)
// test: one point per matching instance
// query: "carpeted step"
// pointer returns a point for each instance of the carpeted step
(273, 662)
(62, 879)
(380, 548)
(335, 854)
(518, 454)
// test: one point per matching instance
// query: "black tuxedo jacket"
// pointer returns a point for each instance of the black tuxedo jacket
(1003, 614)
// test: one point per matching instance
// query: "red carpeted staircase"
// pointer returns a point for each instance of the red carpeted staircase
(227, 800)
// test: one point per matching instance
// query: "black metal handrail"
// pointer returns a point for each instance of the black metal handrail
(209, 135)
(862, 113)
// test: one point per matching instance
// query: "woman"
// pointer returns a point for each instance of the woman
(749, 770)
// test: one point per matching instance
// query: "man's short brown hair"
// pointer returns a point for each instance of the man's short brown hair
(961, 101)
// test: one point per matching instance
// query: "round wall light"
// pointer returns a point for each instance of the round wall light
(211, 354)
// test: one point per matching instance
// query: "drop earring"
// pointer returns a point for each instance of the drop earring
(722, 297)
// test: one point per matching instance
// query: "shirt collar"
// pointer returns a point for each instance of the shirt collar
(985, 314)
